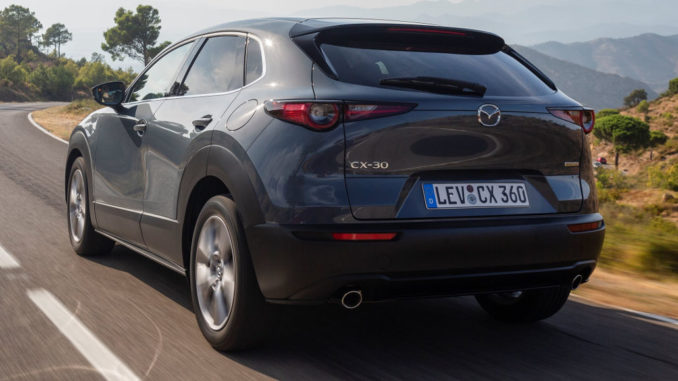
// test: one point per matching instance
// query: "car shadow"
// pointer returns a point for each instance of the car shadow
(449, 338)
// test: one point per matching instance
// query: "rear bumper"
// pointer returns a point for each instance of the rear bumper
(428, 258)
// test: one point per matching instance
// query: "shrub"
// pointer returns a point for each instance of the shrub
(606, 112)
(635, 97)
(643, 107)
(663, 176)
(610, 184)
(657, 138)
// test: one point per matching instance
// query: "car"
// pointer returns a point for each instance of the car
(602, 160)
(292, 161)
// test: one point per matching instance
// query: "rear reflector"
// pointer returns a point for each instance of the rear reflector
(363, 236)
(585, 118)
(589, 226)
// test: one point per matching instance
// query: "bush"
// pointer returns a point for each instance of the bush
(673, 88)
(610, 184)
(657, 138)
(643, 107)
(663, 176)
(607, 112)
(667, 119)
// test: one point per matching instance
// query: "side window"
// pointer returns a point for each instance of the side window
(254, 66)
(156, 81)
(218, 68)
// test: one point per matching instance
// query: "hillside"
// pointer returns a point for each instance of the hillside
(590, 87)
(650, 58)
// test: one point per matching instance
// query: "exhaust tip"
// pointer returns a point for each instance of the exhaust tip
(576, 281)
(352, 299)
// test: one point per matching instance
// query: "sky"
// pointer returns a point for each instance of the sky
(520, 21)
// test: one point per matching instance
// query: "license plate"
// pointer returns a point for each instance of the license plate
(475, 195)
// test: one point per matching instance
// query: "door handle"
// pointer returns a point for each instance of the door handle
(201, 123)
(140, 127)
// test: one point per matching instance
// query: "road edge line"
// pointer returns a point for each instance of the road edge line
(89, 346)
(647, 315)
(43, 129)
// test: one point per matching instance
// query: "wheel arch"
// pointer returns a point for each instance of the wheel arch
(79, 147)
(213, 171)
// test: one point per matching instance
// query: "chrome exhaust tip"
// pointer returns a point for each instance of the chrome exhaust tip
(352, 299)
(576, 281)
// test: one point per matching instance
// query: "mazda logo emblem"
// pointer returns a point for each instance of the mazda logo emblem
(489, 115)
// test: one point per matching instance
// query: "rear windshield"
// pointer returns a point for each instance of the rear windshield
(500, 73)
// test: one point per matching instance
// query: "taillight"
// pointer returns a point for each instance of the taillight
(585, 118)
(363, 236)
(354, 112)
(317, 116)
(322, 116)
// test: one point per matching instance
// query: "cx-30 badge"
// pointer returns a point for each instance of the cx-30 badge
(489, 115)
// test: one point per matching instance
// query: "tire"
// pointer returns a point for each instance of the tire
(221, 270)
(85, 241)
(525, 307)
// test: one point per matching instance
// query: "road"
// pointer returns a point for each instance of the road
(139, 313)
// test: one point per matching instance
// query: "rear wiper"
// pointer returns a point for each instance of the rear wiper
(437, 85)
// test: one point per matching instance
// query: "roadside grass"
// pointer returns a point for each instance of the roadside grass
(60, 120)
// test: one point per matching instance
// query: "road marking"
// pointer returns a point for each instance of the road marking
(7, 261)
(41, 128)
(647, 315)
(101, 358)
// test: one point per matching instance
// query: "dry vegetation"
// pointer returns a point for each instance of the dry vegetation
(61, 120)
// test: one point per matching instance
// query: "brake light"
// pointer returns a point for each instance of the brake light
(363, 236)
(424, 30)
(589, 226)
(585, 118)
(323, 116)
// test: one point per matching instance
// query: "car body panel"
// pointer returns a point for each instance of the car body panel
(291, 183)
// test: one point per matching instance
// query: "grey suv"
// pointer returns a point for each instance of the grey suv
(290, 161)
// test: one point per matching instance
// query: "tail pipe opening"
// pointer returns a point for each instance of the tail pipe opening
(352, 299)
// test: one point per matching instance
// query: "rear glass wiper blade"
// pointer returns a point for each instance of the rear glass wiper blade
(437, 85)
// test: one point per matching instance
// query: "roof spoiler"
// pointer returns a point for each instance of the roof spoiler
(392, 36)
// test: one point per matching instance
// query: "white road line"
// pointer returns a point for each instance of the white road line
(647, 315)
(7, 261)
(101, 358)
(41, 128)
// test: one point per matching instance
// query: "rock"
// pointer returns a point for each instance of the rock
(668, 197)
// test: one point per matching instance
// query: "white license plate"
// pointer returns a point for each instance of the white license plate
(475, 195)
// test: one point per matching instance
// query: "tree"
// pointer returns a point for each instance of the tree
(635, 97)
(624, 132)
(134, 34)
(18, 25)
(56, 35)
(673, 88)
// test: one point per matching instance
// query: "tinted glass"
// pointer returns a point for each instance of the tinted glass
(254, 65)
(156, 81)
(501, 74)
(218, 68)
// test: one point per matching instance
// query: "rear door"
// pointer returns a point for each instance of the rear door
(182, 126)
(459, 152)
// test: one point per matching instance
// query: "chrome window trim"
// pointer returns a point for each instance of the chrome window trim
(208, 35)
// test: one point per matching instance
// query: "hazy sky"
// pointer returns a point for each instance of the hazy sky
(513, 19)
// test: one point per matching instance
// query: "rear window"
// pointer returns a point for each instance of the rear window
(500, 73)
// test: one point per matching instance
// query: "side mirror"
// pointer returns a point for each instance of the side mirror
(109, 94)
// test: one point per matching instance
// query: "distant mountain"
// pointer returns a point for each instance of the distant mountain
(590, 87)
(649, 57)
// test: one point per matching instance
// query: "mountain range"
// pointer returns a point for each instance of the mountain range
(650, 58)
(590, 87)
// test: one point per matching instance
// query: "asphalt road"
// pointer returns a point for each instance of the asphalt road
(141, 313)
